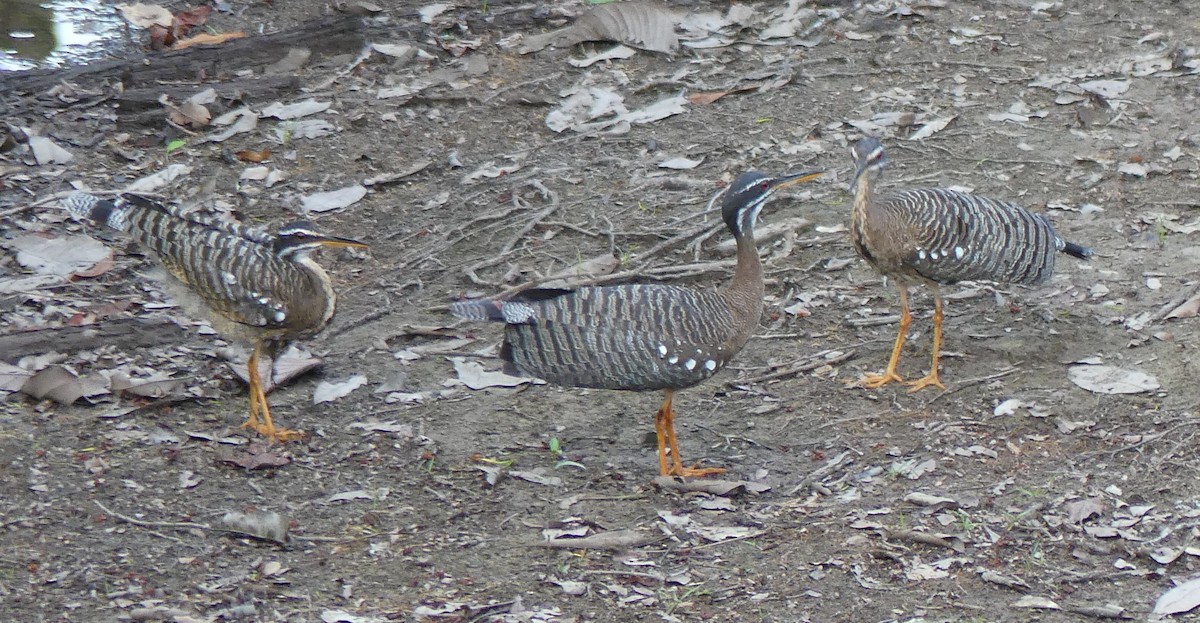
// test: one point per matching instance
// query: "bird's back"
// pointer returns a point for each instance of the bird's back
(632, 337)
(947, 236)
(229, 266)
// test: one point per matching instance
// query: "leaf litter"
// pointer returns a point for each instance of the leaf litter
(863, 480)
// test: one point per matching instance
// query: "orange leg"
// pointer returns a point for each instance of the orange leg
(871, 381)
(667, 428)
(260, 413)
(932, 377)
(660, 432)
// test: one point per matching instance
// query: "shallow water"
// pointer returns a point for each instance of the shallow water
(57, 33)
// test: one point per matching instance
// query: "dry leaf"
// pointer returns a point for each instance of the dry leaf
(334, 199)
(644, 25)
(266, 525)
(680, 163)
(709, 485)
(46, 151)
(614, 540)
(1180, 599)
(927, 130)
(153, 182)
(256, 456)
(706, 98)
(145, 15)
(242, 120)
(207, 39)
(1080, 511)
(614, 53)
(1111, 380)
(472, 374)
(186, 20)
(55, 383)
(12, 378)
(296, 110)
(59, 256)
(189, 113)
(328, 391)
(1187, 310)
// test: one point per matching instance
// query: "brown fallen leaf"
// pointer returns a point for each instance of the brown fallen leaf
(55, 383)
(189, 113)
(706, 98)
(160, 37)
(97, 269)
(207, 39)
(1188, 310)
(255, 456)
(247, 155)
(186, 20)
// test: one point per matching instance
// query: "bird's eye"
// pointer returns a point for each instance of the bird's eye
(764, 185)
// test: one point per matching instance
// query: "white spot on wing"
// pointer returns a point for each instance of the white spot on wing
(518, 313)
(711, 365)
(662, 350)
(690, 364)
(921, 253)
(228, 277)
(673, 360)
(959, 252)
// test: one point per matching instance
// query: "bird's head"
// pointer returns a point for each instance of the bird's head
(867, 155)
(746, 196)
(299, 238)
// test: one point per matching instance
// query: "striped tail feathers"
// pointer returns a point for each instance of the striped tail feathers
(481, 310)
(83, 206)
(1075, 250)
(484, 310)
(520, 309)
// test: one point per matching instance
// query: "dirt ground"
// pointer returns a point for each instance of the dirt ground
(1016, 495)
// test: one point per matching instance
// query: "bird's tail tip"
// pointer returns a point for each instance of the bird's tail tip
(1076, 250)
(82, 206)
(478, 309)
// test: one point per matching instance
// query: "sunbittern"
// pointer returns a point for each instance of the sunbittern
(940, 236)
(642, 337)
(251, 285)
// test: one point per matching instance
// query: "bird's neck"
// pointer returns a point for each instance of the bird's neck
(864, 186)
(745, 292)
(324, 299)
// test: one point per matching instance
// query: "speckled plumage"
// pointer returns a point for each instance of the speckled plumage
(253, 286)
(644, 336)
(941, 236)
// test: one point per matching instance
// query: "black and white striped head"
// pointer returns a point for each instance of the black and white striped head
(299, 238)
(867, 155)
(746, 196)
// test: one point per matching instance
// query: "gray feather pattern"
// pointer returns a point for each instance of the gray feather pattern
(232, 267)
(633, 337)
(959, 236)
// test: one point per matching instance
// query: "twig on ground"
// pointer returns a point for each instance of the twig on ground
(1163, 311)
(817, 474)
(800, 366)
(971, 382)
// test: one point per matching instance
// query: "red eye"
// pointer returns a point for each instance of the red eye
(764, 185)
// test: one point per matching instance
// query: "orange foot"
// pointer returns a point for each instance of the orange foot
(925, 381)
(693, 472)
(271, 433)
(873, 381)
